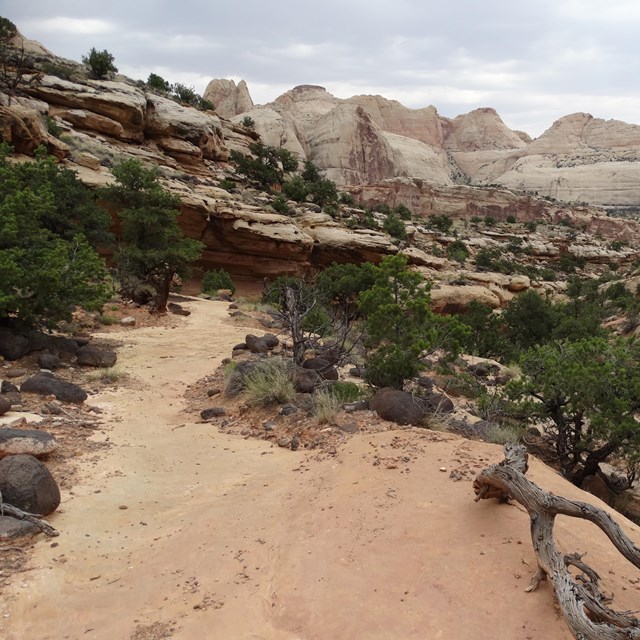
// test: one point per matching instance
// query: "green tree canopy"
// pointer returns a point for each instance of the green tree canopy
(152, 248)
(586, 393)
(100, 63)
(47, 263)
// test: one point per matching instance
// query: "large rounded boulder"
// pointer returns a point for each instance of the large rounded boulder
(27, 484)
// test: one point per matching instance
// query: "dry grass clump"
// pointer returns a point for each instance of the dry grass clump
(106, 374)
(325, 406)
(269, 383)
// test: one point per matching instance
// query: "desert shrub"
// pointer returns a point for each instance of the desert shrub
(269, 383)
(186, 94)
(346, 391)
(490, 221)
(107, 320)
(295, 189)
(205, 105)
(106, 374)
(279, 203)
(226, 184)
(100, 63)
(394, 226)
(403, 211)
(440, 222)
(158, 83)
(347, 199)
(214, 280)
(57, 70)
(52, 127)
(325, 406)
(503, 433)
(457, 251)
(248, 122)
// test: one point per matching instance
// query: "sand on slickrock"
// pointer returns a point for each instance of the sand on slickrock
(227, 537)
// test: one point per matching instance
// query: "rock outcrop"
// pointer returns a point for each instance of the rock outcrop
(228, 98)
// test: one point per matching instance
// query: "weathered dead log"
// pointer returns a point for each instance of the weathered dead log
(10, 510)
(582, 603)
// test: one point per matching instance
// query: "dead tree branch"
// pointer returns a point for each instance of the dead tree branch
(45, 527)
(582, 603)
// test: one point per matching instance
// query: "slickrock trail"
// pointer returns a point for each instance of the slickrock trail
(226, 538)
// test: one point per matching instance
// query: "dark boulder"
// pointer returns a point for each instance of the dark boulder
(46, 384)
(92, 357)
(49, 361)
(8, 387)
(398, 406)
(5, 405)
(437, 403)
(255, 344)
(270, 340)
(28, 441)
(178, 309)
(326, 370)
(13, 346)
(213, 412)
(27, 484)
(306, 380)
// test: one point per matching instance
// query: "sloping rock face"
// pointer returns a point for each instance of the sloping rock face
(228, 98)
(578, 159)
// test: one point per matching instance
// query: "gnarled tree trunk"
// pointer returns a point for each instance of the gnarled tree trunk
(581, 601)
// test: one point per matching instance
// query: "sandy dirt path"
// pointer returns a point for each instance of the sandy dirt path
(227, 538)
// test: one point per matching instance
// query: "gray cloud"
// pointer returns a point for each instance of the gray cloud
(533, 61)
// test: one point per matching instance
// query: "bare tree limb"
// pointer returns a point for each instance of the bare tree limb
(45, 527)
(582, 603)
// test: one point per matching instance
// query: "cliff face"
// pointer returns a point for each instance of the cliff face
(363, 142)
(578, 159)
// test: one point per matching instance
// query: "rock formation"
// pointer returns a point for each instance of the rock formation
(228, 98)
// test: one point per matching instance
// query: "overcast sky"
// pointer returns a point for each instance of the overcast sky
(532, 60)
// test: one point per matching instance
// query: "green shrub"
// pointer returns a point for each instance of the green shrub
(57, 70)
(226, 184)
(52, 127)
(490, 221)
(457, 251)
(279, 203)
(511, 219)
(531, 225)
(248, 122)
(403, 211)
(269, 383)
(100, 62)
(395, 227)
(476, 219)
(346, 391)
(157, 83)
(206, 105)
(347, 199)
(213, 281)
(440, 222)
(295, 189)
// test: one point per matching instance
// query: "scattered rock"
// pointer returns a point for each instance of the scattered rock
(27, 484)
(213, 412)
(240, 347)
(128, 321)
(398, 406)
(5, 405)
(326, 370)
(49, 361)
(47, 384)
(92, 357)
(8, 387)
(425, 383)
(437, 403)
(356, 372)
(349, 427)
(15, 373)
(306, 380)
(288, 409)
(12, 345)
(14, 398)
(270, 340)
(178, 309)
(28, 441)
(269, 426)
(359, 405)
(214, 392)
(255, 344)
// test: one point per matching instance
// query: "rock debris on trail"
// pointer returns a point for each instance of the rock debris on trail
(180, 531)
